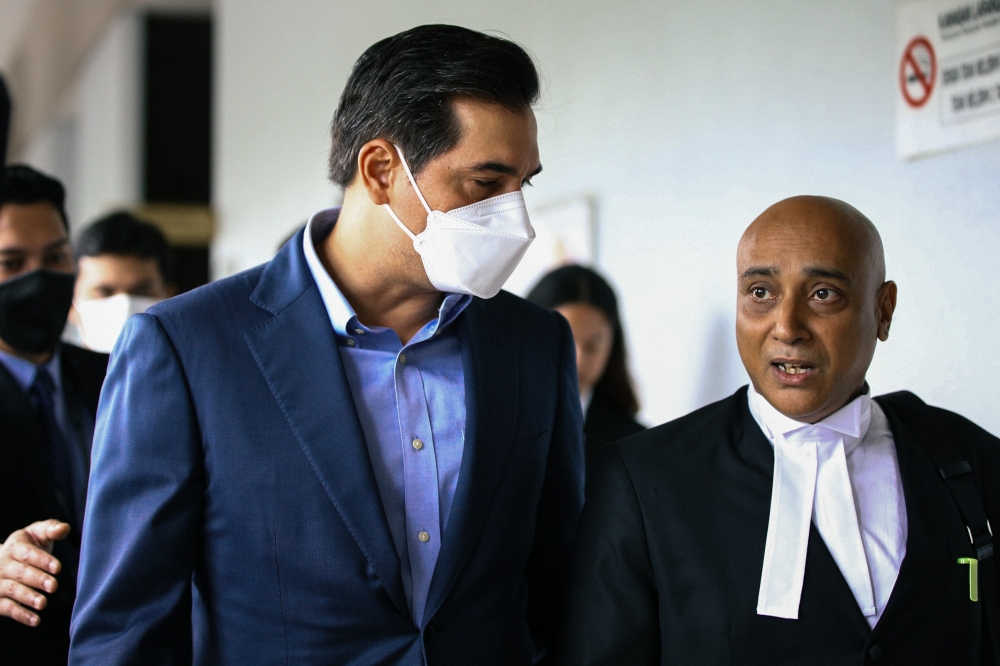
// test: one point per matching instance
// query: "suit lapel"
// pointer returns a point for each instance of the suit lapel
(26, 438)
(297, 353)
(490, 362)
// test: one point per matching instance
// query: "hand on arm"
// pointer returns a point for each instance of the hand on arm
(28, 568)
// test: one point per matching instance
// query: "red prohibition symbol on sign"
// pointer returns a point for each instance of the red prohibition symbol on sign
(918, 72)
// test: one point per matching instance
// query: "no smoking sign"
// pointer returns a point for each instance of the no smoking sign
(947, 78)
(917, 72)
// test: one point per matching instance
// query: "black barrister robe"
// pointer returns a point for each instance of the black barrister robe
(671, 547)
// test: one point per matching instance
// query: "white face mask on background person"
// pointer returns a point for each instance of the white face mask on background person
(473, 249)
(102, 319)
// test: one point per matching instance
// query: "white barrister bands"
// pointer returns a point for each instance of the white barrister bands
(811, 485)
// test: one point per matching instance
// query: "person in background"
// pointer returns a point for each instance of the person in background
(607, 395)
(124, 266)
(48, 401)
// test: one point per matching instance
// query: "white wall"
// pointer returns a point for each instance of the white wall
(108, 133)
(95, 146)
(683, 120)
(53, 151)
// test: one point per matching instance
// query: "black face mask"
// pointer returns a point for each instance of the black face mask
(33, 309)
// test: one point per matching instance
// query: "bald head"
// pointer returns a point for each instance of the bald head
(813, 301)
(838, 226)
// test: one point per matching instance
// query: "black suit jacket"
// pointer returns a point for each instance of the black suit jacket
(603, 424)
(672, 543)
(27, 494)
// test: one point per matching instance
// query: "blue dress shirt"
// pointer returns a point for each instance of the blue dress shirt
(24, 372)
(411, 402)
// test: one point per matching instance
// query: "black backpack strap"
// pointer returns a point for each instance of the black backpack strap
(956, 473)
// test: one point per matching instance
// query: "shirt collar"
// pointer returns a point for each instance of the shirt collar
(851, 421)
(586, 398)
(24, 371)
(342, 315)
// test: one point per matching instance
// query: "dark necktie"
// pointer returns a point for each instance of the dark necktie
(42, 394)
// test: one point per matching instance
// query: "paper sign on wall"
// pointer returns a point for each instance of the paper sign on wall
(564, 234)
(948, 79)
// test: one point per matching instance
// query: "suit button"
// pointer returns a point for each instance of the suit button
(875, 653)
(430, 631)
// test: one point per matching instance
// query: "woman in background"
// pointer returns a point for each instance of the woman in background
(590, 306)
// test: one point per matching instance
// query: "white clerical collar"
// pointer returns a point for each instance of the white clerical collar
(851, 421)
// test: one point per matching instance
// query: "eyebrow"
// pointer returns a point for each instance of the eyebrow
(48, 248)
(505, 169)
(761, 271)
(812, 271)
(832, 273)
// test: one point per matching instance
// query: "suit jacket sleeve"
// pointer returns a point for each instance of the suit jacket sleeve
(559, 507)
(144, 510)
(612, 615)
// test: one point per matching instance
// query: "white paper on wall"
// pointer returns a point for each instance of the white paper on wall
(948, 79)
(564, 234)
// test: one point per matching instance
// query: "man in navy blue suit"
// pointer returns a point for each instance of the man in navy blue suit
(361, 452)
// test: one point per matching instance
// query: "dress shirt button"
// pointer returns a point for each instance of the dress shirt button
(359, 331)
(875, 653)
(424, 537)
(350, 342)
(402, 358)
(417, 444)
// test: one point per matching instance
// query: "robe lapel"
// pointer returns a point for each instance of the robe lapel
(490, 361)
(935, 532)
(297, 353)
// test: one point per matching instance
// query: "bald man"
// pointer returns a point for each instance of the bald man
(798, 521)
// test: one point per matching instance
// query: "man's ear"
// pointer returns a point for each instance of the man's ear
(886, 303)
(377, 160)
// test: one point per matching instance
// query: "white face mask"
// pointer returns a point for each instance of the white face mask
(102, 319)
(474, 249)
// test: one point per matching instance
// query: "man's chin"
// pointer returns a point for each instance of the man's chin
(796, 402)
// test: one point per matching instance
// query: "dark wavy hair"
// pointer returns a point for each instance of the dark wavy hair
(25, 185)
(401, 90)
(123, 234)
(578, 284)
